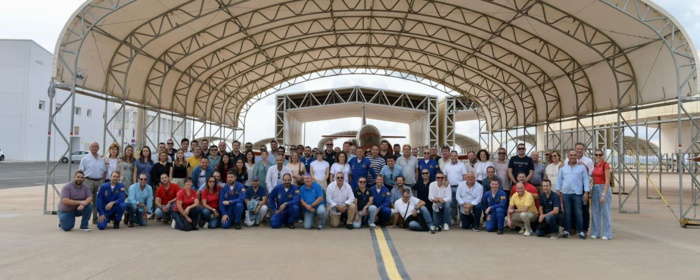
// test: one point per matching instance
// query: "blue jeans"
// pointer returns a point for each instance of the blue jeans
(66, 220)
(309, 216)
(498, 217)
(473, 219)
(180, 220)
(165, 215)
(208, 216)
(371, 215)
(115, 214)
(551, 225)
(455, 208)
(443, 217)
(601, 213)
(415, 225)
(135, 214)
(573, 202)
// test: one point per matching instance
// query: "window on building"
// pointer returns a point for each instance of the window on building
(42, 105)
(78, 111)
(89, 113)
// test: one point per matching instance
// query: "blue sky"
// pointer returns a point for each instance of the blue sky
(43, 20)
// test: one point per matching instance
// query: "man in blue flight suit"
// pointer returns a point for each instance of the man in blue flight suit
(284, 203)
(110, 202)
(231, 200)
(382, 200)
(495, 207)
(360, 167)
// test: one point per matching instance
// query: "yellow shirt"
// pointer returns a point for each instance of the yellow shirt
(521, 202)
(194, 162)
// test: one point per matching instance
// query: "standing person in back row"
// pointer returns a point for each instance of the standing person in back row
(95, 173)
(520, 163)
(409, 163)
(586, 161)
(501, 167)
(359, 167)
(572, 186)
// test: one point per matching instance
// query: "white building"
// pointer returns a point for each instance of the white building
(25, 73)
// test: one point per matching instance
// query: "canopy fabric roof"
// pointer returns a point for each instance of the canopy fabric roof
(523, 61)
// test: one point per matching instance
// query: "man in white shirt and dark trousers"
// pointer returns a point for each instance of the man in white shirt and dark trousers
(455, 171)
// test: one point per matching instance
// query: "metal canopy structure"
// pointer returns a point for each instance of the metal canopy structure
(526, 63)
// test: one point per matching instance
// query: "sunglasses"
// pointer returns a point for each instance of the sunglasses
(329, 144)
(500, 153)
(439, 177)
(143, 179)
(521, 149)
(339, 178)
(599, 155)
(362, 182)
(425, 173)
(170, 144)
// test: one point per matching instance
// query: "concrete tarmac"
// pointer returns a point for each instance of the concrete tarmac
(649, 245)
(22, 174)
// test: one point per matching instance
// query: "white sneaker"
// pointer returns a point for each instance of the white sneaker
(372, 225)
(206, 225)
(85, 229)
(432, 229)
(172, 225)
(605, 238)
(446, 227)
(527, 233)
(522, 230)
(594, 237)
(554, 236)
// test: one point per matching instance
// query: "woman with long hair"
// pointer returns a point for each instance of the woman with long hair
(249, 164)
(180, 168)
(240, 170)
(143, 164)
(601, 200)
(161, 167)
(210, 204)
(261, 167)
(298, 169)
(127, 166)
(224, 166)
(187, 212)
(112, 160)
(552, 171)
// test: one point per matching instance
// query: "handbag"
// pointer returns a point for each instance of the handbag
(418, 218)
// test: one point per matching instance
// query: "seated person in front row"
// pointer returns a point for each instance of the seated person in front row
(312, 203)
(522, 211)
(469, 193)
(139, 201)
(364, 200)
(284, 203)
(187, 211)
(166, 195)
(231, 202)
(381, 198)
(209, 198)
(495, 203)
(440, 194)
(341, 200)
(76, 199)
(256, 203)
(409, 207)
(550, 216)
(110, 202)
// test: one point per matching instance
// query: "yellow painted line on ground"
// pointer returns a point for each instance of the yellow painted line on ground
(389, 264)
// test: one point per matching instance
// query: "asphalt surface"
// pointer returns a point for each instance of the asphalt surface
(25, 174)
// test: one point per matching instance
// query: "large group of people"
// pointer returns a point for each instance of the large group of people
(200, 186)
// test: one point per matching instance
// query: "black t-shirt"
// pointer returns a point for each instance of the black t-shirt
(180, 171)
(548, 204)
(362, 198)
(519, 165)
(159, 169)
